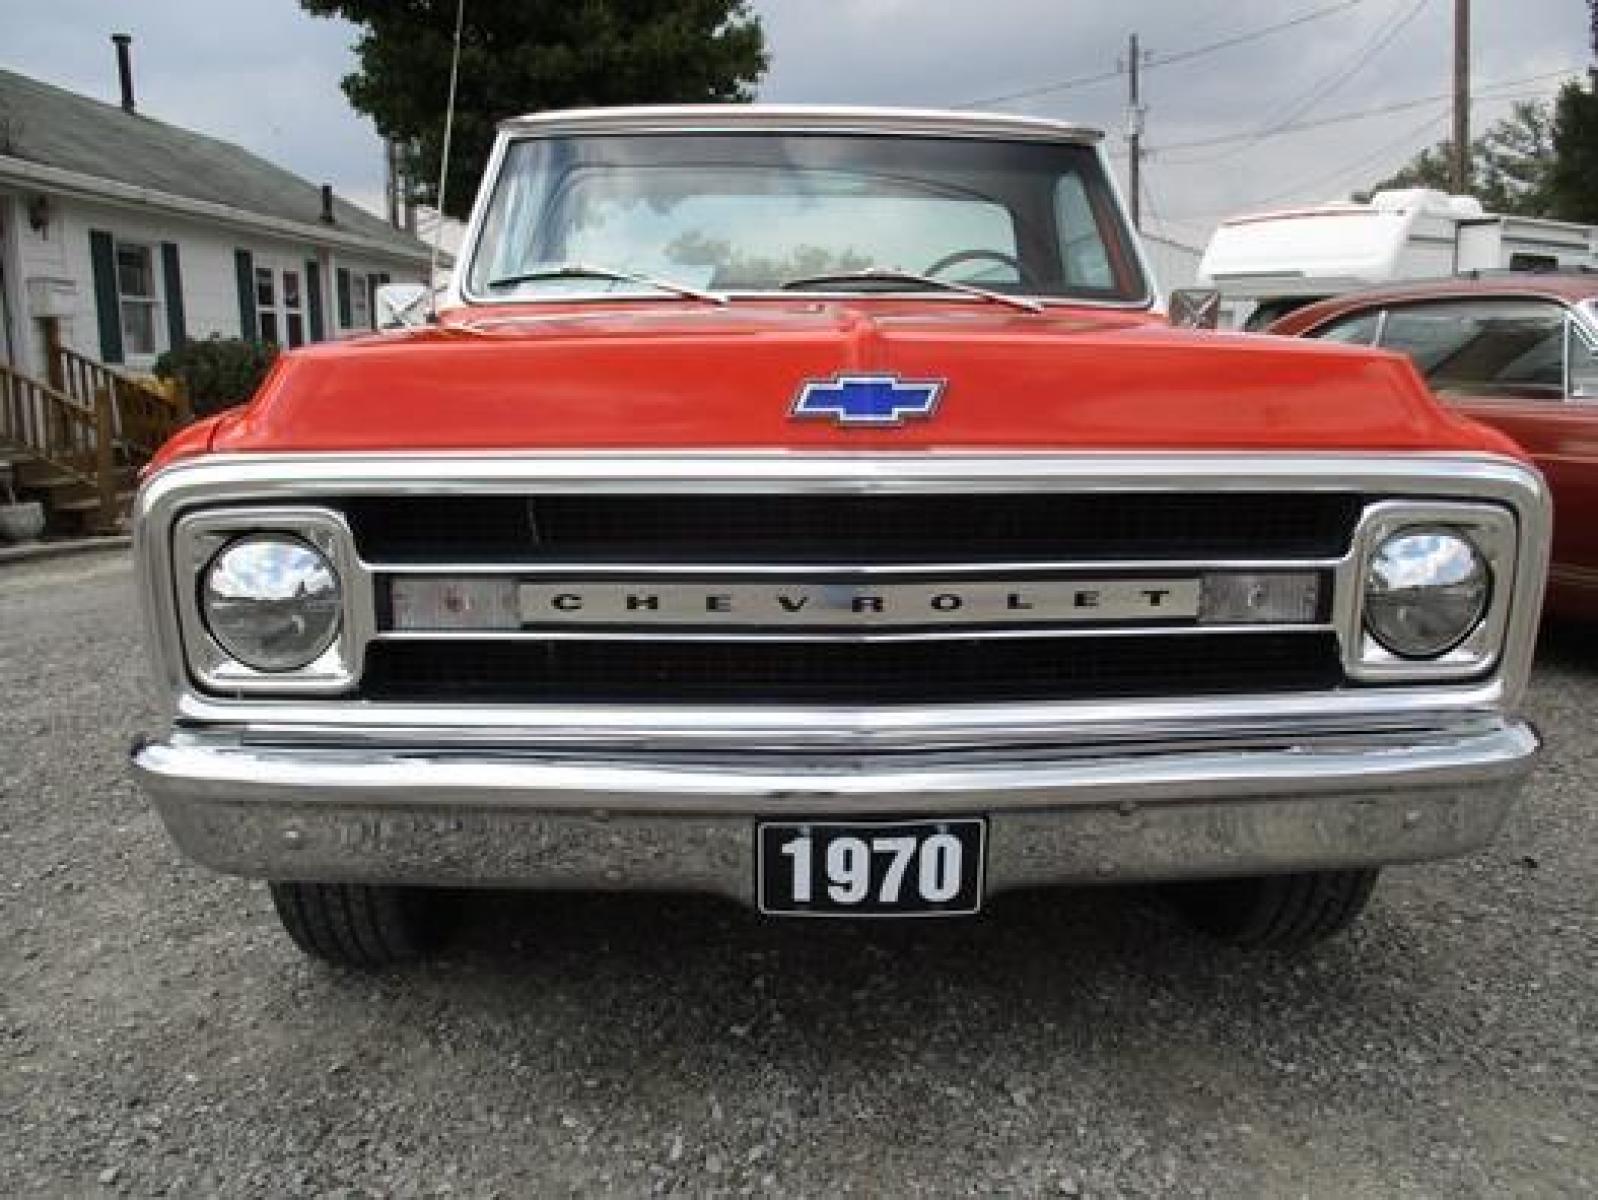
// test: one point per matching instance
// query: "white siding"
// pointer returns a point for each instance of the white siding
(208, 269)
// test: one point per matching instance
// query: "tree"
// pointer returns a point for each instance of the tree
(520, 56)
(1573, 175)
(1510, 165)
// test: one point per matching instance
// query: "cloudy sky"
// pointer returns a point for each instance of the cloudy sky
(265, 75)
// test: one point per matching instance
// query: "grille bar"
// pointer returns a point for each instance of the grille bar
(952, 671)
(853, 529)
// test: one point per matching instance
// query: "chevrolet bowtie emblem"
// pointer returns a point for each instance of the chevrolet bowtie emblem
(868, 399)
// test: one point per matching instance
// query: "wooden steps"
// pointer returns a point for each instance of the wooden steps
(72, 502)
(79, 454)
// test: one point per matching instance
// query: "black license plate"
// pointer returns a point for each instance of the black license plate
(871, 868)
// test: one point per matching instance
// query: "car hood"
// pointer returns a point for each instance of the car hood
(682, 375)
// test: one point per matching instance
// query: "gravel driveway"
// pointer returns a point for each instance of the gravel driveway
(159, 1036)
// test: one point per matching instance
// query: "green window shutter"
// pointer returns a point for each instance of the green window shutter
(173, 276)
(313, 298)
(343, 278)
(103, 258)
(244, 262)
(373, 282)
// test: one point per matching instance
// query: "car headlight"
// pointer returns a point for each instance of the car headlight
(272, 601)
(1425, 590)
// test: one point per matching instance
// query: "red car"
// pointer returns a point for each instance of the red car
(813, 507)
(1518, 352)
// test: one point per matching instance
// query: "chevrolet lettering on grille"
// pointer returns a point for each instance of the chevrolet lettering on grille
(848, 603)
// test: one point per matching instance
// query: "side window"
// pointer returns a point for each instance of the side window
(1583, 364)
(1082, 251)
(1508, 348)
(1355, 329)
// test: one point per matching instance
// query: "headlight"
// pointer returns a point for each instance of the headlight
(272, 602)
(1425, 590)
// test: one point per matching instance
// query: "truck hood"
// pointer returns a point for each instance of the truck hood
(679, 375)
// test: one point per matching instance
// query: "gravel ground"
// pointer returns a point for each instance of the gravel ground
(159, 1036)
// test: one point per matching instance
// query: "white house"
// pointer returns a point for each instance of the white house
(133, 235)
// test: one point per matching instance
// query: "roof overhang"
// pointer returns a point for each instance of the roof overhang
(18, 171)
(797, 118)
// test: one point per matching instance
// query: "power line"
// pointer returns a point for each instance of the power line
(1359, 114)
(1243, 38)
(1358, 164)
(1316, 181)
(1336, 173)
(1165, 60)
(1295, 111)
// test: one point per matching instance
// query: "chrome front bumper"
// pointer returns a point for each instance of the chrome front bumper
(524, 818)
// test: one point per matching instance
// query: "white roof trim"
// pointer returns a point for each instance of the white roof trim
(806, 118)
(109, 191)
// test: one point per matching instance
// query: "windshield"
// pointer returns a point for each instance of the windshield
(758, 212)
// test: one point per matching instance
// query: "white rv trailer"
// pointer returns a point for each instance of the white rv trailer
(1280, 260)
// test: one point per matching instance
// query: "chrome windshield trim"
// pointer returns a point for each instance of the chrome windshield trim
(797, 118)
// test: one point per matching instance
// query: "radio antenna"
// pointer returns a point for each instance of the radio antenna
(443, 166)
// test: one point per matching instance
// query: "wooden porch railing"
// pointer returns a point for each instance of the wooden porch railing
(143, 417)
(49, 425)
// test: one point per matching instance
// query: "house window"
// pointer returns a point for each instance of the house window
(266, 305)
(360, 303)
(136, 298)
(293, 317)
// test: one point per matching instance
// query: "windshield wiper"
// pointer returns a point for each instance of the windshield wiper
(894, 275)
(578, 270)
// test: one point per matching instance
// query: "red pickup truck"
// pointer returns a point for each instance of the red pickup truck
(812, 507)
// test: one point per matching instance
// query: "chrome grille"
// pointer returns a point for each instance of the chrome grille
(853, 529)
(679, 541)
(949, 670)
(235, 495)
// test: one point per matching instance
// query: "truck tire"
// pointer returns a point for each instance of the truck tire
(357, 924)
(1276, 911)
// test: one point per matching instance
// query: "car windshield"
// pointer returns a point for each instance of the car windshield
(759, 212)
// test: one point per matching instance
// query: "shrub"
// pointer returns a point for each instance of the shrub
(217, 372)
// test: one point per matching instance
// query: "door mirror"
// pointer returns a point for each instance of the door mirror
(402, 305)
(1195, 308)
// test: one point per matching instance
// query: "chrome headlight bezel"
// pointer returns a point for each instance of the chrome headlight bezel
(1490, 530)
(1387, 600)
(197, 541)
(271, 600)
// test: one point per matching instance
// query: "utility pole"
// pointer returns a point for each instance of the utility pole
(1592, 71)
(1461, 165)
(1134, 134)
(391, 181)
